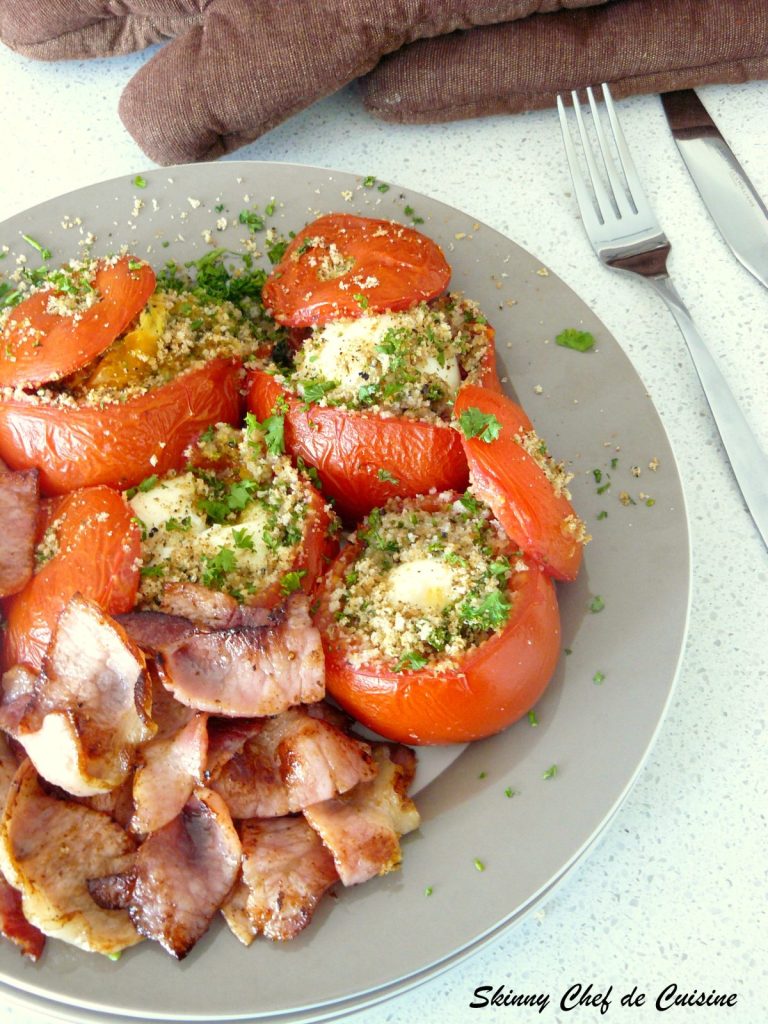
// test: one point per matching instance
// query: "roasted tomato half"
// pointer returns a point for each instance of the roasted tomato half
(435, 629)
(134, 408)
(512, 470)
(72, 320)
(368, 402)
(343, 266)
(240, 525)
(89, 544)
(119, 442)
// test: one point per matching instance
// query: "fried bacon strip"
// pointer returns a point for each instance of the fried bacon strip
(168, 771)
(292, 761)
(13, 924)
(90, 707)
(210, 609)
(249, 671)
(362, 828)
(183, 873)
(49, 848)
(19, 499)
(152, 630)
(286, 871)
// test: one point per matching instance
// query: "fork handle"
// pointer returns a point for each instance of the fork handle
(748, 460)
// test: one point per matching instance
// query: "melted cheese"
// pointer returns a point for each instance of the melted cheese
(347, 351)
(171, 499)
(424, 584)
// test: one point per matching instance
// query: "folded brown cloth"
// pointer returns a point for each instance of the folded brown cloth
(638, 46)
(236, 68)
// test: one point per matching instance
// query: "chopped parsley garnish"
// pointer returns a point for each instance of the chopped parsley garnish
(152, 570)
(428, 891)
(580, 341)
(479, 866)
(139, 181)
(274, 434)
(509, 792)
(227, 499)
(252, 220)
(596, 604)
(386, 476)
(532, 719)
(314, 390)
(598, 677)
(361, 300)
(44, 253)
(500, 568)
(9, 296)
(276, 249)
(147, 484)
(475, 423)
(309, 471)
(602, 515)
(292, 581)
(242, 539)
(551, 772)
(471, 504)
(174, 525)
(211, 280)
(383, 186)
(489, 613)
(367, 394)
(369, 182)
(215, 568)
(410, 660)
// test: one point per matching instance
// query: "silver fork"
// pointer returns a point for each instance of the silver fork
(626, 236)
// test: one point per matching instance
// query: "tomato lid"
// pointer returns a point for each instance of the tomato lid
(511, 470)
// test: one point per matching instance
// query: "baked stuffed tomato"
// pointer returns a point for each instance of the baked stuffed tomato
(88, 544)
(436, 630)
(239, 525)
(368, 401)
(130, 400)
(511, 469)
(341, 265)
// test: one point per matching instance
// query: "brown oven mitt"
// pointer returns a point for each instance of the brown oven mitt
(236, 67)
(639, 46)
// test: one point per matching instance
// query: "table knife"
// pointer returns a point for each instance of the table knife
(728, 194)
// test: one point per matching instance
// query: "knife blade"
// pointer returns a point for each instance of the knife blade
(728, 194)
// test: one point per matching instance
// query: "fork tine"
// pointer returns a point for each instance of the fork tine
(602, 196)
(624, 207)
(636, 192)
(583, 196)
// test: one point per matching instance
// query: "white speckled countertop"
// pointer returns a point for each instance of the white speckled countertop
(676, 888)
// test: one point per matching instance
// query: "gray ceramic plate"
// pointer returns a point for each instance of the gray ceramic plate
(382, 937)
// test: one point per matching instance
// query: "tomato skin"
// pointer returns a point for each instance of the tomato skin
(407, 267)
(319, 546)
(492, 686)
(84, 445)
(98, 555)
(505, 476)
(63, 344)
(349, 448)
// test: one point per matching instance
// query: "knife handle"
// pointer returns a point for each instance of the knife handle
(748, 460)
